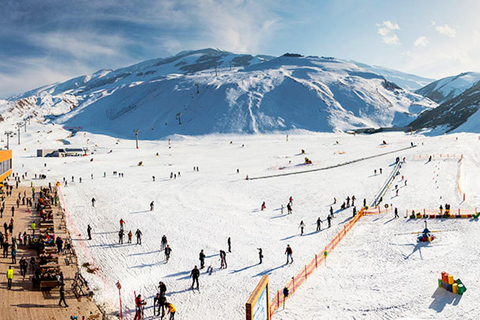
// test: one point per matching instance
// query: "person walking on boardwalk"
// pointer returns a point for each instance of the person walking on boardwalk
(302, 226)
(62, 296)
(201, 257)
(89, 232)
(195, 274)
(138, 233)
(9, 277)
(33, 228)
(289, 253)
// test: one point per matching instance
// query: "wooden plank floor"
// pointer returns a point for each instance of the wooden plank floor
(22, 302)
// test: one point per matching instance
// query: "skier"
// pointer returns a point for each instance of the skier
(348, 201)
(164, 242)
(302, 225)
(290, 201)
(380, 170)
(289, 208)
(201, 257)
(139, 305)
(331, 211)
(229, 243)
(263, 206)
(223, 259)
(396, 213)
(195, 274)
(289, 253)
(353, 200)
(121, 224)
(171, 310)
(130, 236)
(151, 206)
(167, 251)
(260, 255)
(354, 211)
(89, 232)
(162, 288)
(364, 202)
(120, 236)
(329, 220)
(138, 233)
(158, 304)
(319, 224)
(153, 178)
(93, 202)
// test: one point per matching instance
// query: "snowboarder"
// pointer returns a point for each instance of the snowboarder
(130, 236)
(201, 257)
(120, 236)
(151, 206)
(167, 252)
(89, 232)
(329, 220)
(195, 274)
(223, 259)
(138, 233)
(229, 243)
(93, 202)
(289, 253)
(319, 224)
(302, 226)
(260, 255)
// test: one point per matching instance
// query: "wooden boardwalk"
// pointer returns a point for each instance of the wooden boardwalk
(23, 302)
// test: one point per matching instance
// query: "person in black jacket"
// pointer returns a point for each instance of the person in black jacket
(201, 257)
(62, 296)
(195, 274)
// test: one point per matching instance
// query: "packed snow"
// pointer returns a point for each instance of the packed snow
(378, 271)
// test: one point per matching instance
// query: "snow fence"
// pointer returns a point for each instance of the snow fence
(310, 267)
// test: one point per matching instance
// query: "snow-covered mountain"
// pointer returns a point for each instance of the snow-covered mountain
(207, 91)
(448, 88)
(405, 80)
(457, 114)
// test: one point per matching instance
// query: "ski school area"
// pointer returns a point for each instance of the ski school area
(369, 264)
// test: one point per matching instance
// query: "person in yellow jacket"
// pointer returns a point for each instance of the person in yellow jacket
(171, 310)
(33, 228)
(10, 278)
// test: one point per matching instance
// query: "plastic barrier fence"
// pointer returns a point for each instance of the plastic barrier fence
(443, 214)
(448, 283)
(308, 269)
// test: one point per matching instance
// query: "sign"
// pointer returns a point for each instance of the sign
(258, 305)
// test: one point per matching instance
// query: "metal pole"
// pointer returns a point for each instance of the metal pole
(120, 296)
(19, 135)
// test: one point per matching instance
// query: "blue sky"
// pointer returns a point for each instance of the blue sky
(46, 41)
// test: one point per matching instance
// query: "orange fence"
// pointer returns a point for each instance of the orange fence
(436, 156)
(308, 269)
(376, 210)
(437, 211)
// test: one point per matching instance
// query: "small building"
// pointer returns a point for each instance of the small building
(67, 152)
(5, 164)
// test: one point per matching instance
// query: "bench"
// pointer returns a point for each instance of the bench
(48, 284)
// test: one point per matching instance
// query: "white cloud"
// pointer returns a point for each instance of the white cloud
(421, 42)
(445, 30)
(387, 30)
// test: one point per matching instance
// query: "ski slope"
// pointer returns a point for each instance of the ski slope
(377, 272)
